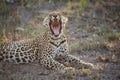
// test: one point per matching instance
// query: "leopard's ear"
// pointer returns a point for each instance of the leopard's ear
(64, 20)
(46, 21)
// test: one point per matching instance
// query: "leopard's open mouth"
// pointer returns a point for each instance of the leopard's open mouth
(55, 26)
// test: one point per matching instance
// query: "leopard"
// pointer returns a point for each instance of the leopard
(50, 49)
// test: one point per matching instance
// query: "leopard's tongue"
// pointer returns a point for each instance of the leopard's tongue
(56, 30)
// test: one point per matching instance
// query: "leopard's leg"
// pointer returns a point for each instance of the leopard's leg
(75, 62)
(51, 64)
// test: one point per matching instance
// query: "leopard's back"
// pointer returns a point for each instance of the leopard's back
(18, 52)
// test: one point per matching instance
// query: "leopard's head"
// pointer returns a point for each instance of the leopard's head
(55, 22)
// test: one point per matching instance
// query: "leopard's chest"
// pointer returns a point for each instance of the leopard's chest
(58, 47)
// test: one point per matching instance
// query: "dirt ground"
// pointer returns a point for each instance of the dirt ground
(93, 36)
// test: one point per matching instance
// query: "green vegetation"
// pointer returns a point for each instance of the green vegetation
(83, 4)
(85, 71)
(3, 7)
(112, 36)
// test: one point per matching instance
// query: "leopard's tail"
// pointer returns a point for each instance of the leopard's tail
(1, 54)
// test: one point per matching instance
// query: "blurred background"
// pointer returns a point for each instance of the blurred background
(93, 29)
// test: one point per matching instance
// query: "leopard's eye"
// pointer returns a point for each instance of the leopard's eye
(58, 17)
(52, 17)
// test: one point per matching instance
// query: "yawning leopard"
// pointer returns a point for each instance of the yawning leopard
(50, 49)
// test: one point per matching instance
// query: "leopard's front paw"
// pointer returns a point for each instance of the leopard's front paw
(87, 66)
(69, 71)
